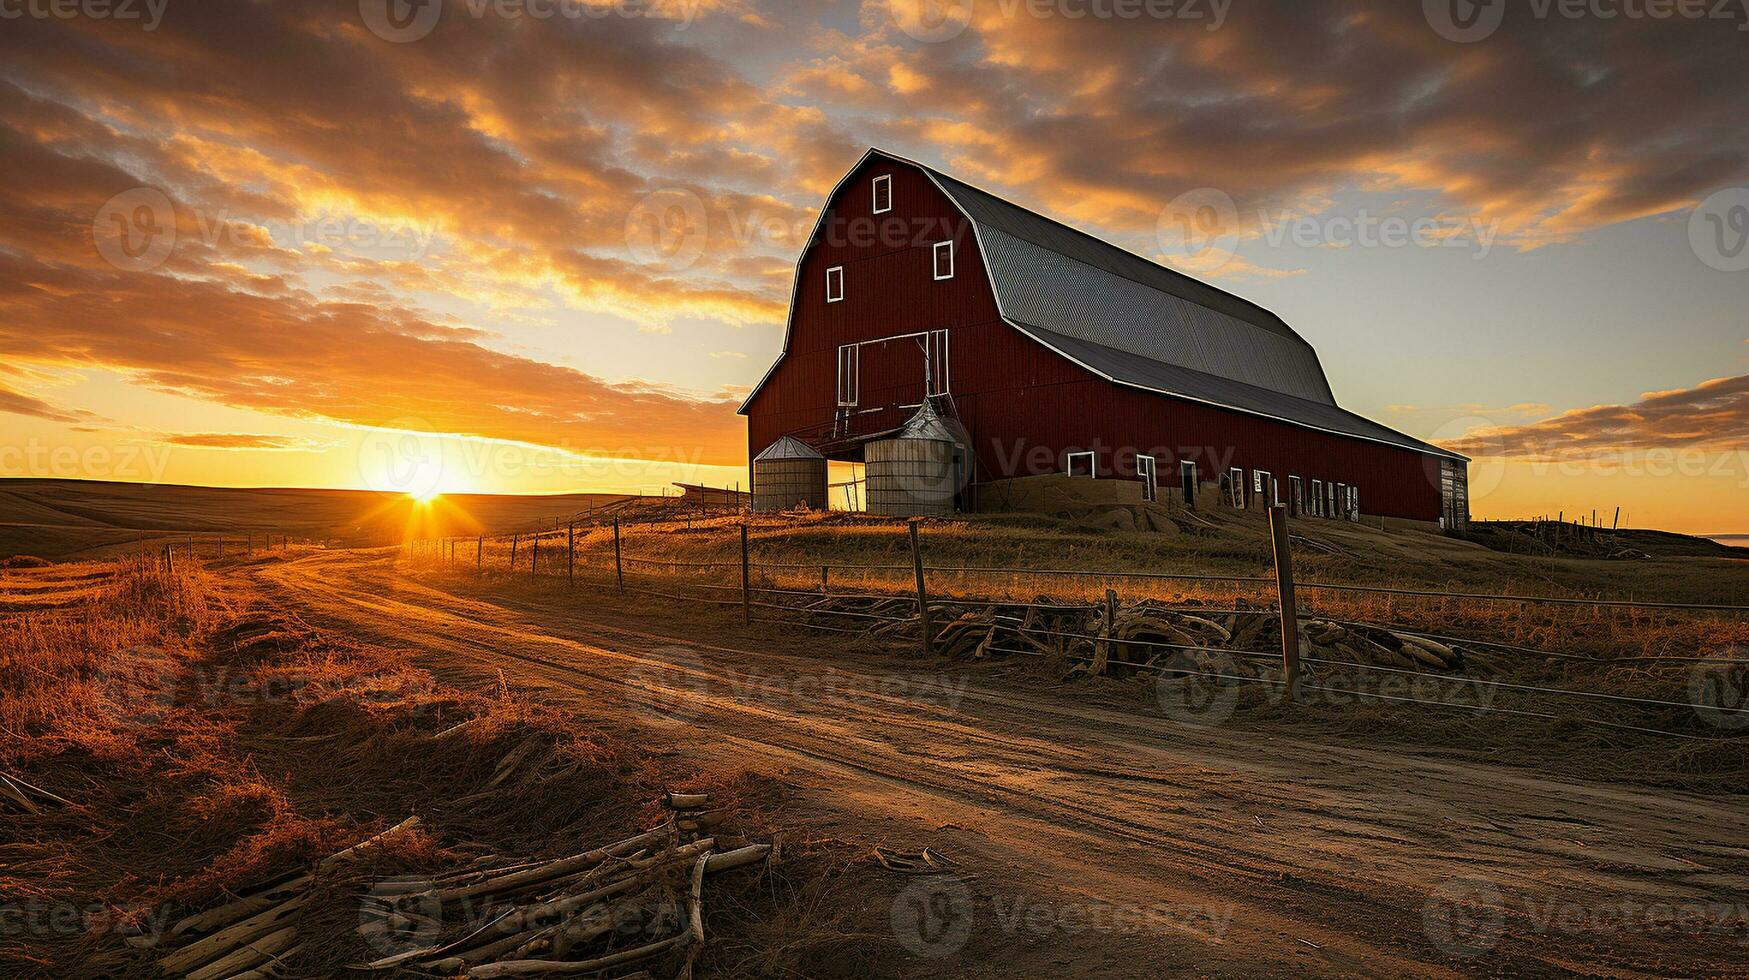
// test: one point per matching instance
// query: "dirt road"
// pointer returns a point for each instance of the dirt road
(1100, 838)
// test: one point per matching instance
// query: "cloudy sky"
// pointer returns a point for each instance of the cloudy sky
(272, 243)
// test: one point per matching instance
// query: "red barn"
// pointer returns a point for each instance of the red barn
(1061, 353)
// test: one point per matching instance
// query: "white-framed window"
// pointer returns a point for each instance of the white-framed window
(1296, 495)
(883, 193)
(944, 260)
(1317, 498)
(1333, 507)
(1146, 472)
(1187, 480)
(1354, 503)
(1236, 487)
(849, 374)
(1261, 485)
(935, 348)
(1081, 464)
(834, 284)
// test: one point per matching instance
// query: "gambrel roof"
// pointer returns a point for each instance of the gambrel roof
(1141, 324)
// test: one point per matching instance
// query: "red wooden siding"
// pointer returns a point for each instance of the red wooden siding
(1023, 404)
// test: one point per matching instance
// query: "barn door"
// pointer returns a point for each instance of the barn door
(892, 371)
(1187, 482)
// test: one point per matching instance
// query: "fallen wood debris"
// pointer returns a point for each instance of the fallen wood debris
(1145, 636)
(928, 861)
(624, 904)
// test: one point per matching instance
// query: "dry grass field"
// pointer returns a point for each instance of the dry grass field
(180, 737)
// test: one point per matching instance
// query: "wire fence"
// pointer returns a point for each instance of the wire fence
(913, 601)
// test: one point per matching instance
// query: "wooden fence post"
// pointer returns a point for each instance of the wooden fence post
(825, 579)
(1106, 633)
(619, 571)
(480, 553)
(1284, 587)
(922, 596)
(571, 554)
(534, 562)
(746, 580)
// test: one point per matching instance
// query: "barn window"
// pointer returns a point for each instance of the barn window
(936, 350)
(1236, 487)
(1261, 482)
(1354, 503)
(1148, 474)
(1317, 498)
(834, 284)
(944, 260)
(1296, 496)
(883, 193)
(849, 370)
(1333, 508)
(1081, 464)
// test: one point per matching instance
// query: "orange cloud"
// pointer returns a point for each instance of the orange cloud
(1712, 416)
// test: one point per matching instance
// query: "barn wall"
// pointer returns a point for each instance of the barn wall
(1023, 404)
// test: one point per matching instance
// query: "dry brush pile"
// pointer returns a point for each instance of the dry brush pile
(1145, 636)
(634, 904)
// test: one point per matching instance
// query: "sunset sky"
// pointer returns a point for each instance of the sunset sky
(551, 243)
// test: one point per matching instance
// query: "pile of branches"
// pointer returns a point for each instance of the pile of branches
(628, 904)
(1143, 636)
(252, 937)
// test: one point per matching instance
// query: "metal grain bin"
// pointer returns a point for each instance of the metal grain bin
(788, 474)
(917, 472)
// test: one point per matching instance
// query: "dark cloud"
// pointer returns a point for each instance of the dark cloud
(1553, 126)
(1712, 416)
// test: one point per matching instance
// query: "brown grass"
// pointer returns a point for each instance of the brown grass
(240, 744)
